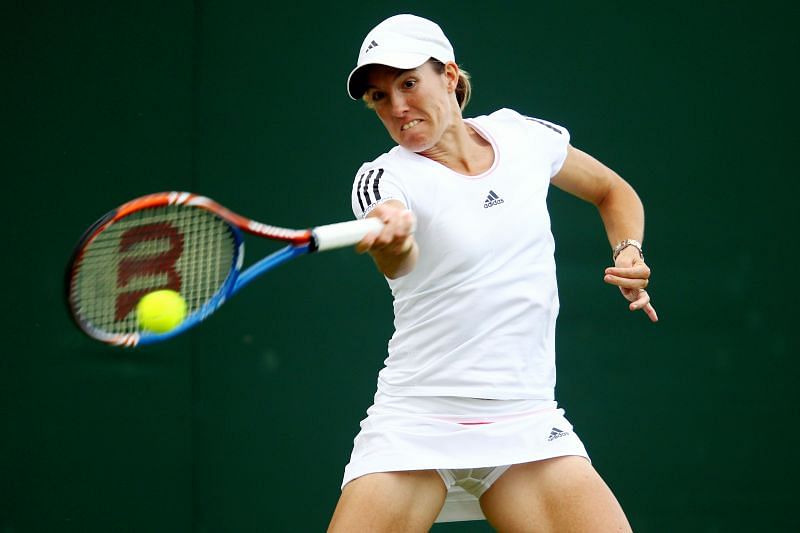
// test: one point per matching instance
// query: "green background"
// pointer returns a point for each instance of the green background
(246, 423)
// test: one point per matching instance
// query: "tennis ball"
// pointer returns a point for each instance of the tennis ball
(161, 311)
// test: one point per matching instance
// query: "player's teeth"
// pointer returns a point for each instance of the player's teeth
(410, 124)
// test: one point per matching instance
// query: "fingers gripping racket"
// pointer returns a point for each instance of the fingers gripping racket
(178, 241)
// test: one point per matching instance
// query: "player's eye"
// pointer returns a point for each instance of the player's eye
(376, 96)
(409, 83)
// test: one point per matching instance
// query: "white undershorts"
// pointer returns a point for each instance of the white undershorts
(470, 442)
(465, 486)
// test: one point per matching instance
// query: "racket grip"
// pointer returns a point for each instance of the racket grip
(342, 234)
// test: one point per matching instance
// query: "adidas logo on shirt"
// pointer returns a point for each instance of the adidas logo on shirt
(556, 433)
(492, 199)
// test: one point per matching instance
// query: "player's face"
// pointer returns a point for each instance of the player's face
(414, 105)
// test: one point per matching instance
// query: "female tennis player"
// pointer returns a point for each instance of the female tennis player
(464, 423)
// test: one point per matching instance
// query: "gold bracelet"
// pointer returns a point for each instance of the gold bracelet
(624, 244)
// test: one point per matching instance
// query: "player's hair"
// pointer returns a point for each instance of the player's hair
(463, 86)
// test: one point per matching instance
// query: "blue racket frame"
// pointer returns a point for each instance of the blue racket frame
(235, 282)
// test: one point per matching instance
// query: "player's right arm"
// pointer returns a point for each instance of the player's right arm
(394, 249)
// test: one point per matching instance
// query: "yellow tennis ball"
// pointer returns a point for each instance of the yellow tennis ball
(161, 311)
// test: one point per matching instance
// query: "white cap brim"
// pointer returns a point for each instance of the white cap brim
(357, 80)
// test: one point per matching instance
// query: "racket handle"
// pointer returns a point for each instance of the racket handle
(342, 234)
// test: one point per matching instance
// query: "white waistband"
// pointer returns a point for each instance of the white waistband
(460, 410)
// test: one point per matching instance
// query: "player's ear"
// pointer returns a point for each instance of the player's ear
(451, 72)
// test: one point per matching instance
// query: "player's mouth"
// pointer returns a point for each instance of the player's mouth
(409, 125)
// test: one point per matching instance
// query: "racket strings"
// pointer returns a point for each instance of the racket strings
(186, 249)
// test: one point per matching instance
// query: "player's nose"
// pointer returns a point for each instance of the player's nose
(399, 105)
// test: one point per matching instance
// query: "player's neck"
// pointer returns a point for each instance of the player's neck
(463, 150)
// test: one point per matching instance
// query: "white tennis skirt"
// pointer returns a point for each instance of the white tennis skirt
(444, 433)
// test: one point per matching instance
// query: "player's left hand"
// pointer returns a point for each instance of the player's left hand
(632, 275)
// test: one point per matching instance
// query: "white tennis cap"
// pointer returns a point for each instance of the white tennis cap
(401, 41)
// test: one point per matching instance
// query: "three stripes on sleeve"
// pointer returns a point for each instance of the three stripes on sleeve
(367, 188)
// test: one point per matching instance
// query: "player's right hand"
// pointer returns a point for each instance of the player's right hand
(394, 248)
(397, 235)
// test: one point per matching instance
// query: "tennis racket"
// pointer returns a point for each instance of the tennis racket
(178, 241)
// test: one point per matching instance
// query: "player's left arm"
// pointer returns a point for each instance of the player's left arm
(623, 216)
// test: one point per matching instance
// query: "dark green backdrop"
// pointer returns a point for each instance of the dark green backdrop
(246, 423)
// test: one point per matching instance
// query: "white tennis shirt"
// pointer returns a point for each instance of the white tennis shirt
(476, 317)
